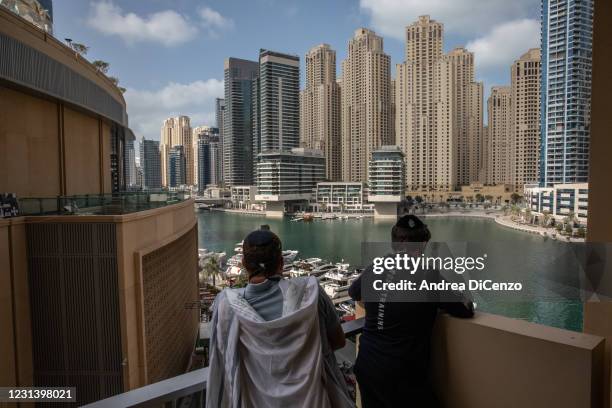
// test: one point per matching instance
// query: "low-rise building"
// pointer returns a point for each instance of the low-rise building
(339, 196)
(243, 196)
(560, 201)
(288, 175)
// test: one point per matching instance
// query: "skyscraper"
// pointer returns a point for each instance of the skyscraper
(468, 112)
(525, 140)
(499, 133)
(366, 103)
(438, 111)
(219, 112)
(177, 132)
(567, 42)
(320, 109)
(277, 104)
(129, 164)
(177, 166)
(150, 163)
(237, 121)
(207, 156)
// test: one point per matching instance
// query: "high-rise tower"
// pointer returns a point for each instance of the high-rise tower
(320, 109)
(567, 43)
(366, 103)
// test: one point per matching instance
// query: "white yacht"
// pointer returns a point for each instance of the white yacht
(289, 255)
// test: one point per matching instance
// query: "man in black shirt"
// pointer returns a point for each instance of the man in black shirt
(392, 366)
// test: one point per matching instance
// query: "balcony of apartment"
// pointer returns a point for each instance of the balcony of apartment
(487, 361)
(95, 265)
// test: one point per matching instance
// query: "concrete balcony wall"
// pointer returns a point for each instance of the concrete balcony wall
(145, 297)
(494, 361)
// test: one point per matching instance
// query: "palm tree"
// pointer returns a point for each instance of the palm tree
(515, 198)
(210, 269)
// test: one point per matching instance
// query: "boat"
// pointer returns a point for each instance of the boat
(204, 254)
(308, 217)
(233, 271)
(323, 269)
(289, 255)
(298, 218)
(235, 260)
(335, 290)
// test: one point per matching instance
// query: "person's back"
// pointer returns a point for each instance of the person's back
(393, 361)
(263, 347)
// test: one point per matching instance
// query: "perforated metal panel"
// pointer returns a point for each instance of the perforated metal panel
(76, 338)
(29, 67)
(170, 286)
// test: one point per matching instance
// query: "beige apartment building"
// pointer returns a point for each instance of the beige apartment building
(499, 107)
(320, 109)
(525, 140)
(513, 139)
(176, 131)
(366, 103)
(438, 121)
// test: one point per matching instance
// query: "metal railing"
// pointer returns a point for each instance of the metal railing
(185, 390)
(100, 204)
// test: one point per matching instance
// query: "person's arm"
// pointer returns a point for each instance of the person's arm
(457, 304)
(333, 328)
(355, 289)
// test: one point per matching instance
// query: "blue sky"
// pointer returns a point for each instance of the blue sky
(169, 54)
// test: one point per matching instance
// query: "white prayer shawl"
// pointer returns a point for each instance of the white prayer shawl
(277, 363)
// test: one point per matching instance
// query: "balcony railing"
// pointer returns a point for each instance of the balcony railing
(100, 204)
(186, 390)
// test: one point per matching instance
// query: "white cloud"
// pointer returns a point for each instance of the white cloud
(165, 27)
(214, 20)
(463, 17)
(147, 109)
(505, 43)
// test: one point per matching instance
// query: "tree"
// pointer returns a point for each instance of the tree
(528, 215)
(101, 66)
(545, 217)
(79, 48)
(418, 199)
(581, 232)
(568, 228)
(210, 269)
(479, 198)
(115, 81)
(515, 198)
(489, 198)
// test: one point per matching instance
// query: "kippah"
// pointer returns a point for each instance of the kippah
(410, 222)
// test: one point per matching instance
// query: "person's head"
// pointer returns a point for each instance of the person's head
(410, 228)
(262, 254)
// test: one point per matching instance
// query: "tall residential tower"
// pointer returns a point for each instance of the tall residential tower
(366, 103)
(320, 109)
(567, 43)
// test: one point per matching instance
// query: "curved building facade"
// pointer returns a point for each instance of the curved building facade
(94, 280)
(64, 124)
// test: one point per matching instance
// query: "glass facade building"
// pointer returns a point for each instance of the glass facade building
(239, 75)
(150, 163)
(567, 42)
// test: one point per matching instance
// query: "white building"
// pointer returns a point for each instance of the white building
(559, 201)
(243, 196)
(386, 180)
(288, 175)
(339, 196)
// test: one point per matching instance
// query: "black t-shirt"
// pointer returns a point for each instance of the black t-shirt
(397, 335)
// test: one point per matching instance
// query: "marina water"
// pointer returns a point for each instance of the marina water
(337, 240)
